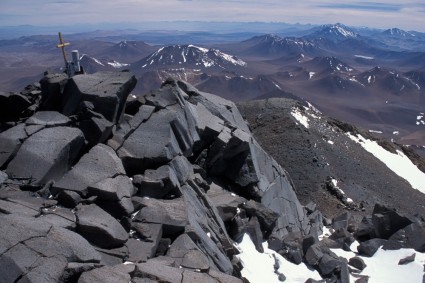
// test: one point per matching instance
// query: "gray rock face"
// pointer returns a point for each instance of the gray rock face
(99, 227)
(170, 213)
(49, 119)
(107, 91)
(10, 141)
(47, 154)
(100, 163)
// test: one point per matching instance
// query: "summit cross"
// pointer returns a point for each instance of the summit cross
(62, 45)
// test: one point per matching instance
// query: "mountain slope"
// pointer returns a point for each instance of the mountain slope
(317, 148)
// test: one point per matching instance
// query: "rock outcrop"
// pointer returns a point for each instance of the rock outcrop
(160, 193)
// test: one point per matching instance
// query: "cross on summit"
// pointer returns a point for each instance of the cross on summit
(73, 67)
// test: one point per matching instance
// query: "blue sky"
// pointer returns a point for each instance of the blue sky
(408, 14)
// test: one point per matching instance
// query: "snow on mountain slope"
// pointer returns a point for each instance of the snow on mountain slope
(383, 265)
(259, 267)
(399, 163)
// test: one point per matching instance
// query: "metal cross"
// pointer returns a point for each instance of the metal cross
(62, 46)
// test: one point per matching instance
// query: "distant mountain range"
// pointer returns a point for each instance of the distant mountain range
(373, 78)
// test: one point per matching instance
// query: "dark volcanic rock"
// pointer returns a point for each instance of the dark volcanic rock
(387, 221)
(99, 227)
(107, 274)
(369, 248)
(407, 259)
(52, 86)
(412, 236)
(10, 141)
(357, 262)
(99, 163)
(47, 154)
(156, 183)
(48, 119)
(171, 214)
(113, 189)
(107, 91)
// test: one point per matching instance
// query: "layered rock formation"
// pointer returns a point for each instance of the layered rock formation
(97, 186)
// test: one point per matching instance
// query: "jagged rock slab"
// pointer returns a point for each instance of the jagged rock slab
(112, 189)
(156, 183)
(99, 227)
(99, 163)
(170, 213)
(159, 140)
(10, 141)
(107, 91)
(35, 251)
(52, 87)
(47, 154)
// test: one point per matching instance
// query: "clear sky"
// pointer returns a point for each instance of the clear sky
(406, 14)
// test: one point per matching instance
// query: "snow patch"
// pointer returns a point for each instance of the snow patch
(375, 132)
(258, 267)
(116, 64)
(303, 120)
(383, 266)
(399, 163)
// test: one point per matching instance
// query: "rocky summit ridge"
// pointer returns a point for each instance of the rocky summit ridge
(101, 186)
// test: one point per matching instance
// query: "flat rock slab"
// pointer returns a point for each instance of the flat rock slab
(47, 154)
(48, 118)
(160, 144)
(171, 213)
(107, 91)
(107, 274)
(113, 189)
(99, 227)
(60, 241)
(100, 163)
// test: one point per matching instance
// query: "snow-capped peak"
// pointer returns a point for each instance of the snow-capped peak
(192, 55)
(340, 29)
(398, 32)
(334, 32)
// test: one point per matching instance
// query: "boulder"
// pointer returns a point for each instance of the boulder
(227, 203)
(412, 236)
(100, 228)
(357, 262)
(369, 248)
(10, 142)
(100, 163)
(47, 154)
(157, 183)
(106, 274)
(159, 140)
(52, 87)
(266, 217)
(48, 119)
(13, 106)
(407, 259)
(96, 128)
(171, 214)
(386, 221)
(107, 91)
(112, 189)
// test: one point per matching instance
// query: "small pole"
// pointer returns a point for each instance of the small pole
(76, 61)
